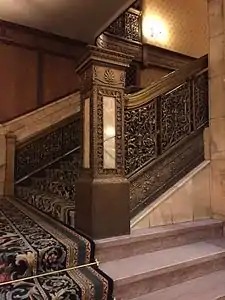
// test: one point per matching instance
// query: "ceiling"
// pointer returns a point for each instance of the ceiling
(77, 19)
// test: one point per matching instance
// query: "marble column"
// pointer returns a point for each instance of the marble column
(102, 199)
(216, 17)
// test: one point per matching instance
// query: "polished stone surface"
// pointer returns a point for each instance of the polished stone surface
(208, 287)
(109, 123)
(157, 238)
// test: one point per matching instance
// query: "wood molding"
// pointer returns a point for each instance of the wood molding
(167, 83)
(35, 39)
(156, 56)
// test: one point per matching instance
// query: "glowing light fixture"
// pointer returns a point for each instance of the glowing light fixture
(155, 29)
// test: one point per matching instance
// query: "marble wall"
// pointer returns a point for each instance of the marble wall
(176, 25)
(86, 134)
(217, 104)
(109, 129)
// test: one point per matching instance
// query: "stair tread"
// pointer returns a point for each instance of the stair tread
(158, 231)
(141, 265)
(208, 287)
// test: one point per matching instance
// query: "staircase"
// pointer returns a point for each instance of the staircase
(177, 262)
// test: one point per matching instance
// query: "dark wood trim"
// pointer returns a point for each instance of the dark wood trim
(40, 33)
(31, 110)
(33, 39)
(167, 83)
(8, 41)
(164, 58)
(40, 74)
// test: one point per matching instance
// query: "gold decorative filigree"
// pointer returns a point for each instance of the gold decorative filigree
(109, 76)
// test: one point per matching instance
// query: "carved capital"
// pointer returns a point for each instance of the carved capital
(96, 56)
(110, 77)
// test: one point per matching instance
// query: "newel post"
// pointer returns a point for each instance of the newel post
(10, 144)
(102, 199)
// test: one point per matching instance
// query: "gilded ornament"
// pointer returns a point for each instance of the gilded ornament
(109, 76)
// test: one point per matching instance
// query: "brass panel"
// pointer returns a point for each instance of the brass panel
(185, 23)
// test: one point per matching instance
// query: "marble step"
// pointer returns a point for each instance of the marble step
(208, 287)
(142, 274)
(157, 238)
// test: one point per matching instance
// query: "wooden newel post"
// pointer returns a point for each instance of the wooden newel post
(102, 202)
(9, 167)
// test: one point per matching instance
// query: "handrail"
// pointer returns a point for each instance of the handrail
(48, 130)
(46, 165)
(167, 83)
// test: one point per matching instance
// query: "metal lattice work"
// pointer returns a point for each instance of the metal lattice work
(152, 129)
(131, 76)
(163, 139)
(127, 26)
(46, 148)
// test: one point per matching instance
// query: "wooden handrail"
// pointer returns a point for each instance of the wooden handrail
(167, 83)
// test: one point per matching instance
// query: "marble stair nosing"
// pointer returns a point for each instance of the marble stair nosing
(157, 238)
(143, 274)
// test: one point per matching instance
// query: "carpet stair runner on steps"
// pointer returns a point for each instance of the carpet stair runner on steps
(31, 243)
(52, 190)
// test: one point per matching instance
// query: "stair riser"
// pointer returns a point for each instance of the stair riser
(111, 252)
(142, 286)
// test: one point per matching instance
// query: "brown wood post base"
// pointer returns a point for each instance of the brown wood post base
(103, 207)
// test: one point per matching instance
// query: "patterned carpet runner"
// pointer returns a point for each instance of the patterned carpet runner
(33, 244)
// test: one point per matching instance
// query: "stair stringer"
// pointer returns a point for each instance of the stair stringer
(188, 200)
(30, 124)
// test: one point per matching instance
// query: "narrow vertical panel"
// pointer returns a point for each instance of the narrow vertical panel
(109, 128)
(86, 133)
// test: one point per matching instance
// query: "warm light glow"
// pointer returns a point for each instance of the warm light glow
(155, 29)
(109, 131)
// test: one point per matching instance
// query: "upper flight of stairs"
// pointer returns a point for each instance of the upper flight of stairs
(185, 261)
(52, 190)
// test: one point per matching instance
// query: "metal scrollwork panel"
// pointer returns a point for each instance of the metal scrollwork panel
(117, 27)
(175, 115)
(140, 136)
(127, 26)
(132, 27)
(164, 172)
(36, 154)
(200, 100)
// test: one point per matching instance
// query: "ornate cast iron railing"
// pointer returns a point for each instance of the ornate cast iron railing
(162, 116)
(46, 148)
(127, 26)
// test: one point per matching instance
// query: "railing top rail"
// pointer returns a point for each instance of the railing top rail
(48, 130)
(167, 83)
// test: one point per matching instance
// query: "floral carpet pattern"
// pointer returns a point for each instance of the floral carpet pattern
(52, 191)
(32, 244)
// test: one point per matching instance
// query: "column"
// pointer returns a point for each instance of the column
(102, 199)
(217, 104)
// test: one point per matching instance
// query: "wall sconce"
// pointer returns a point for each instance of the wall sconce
(155, 29)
